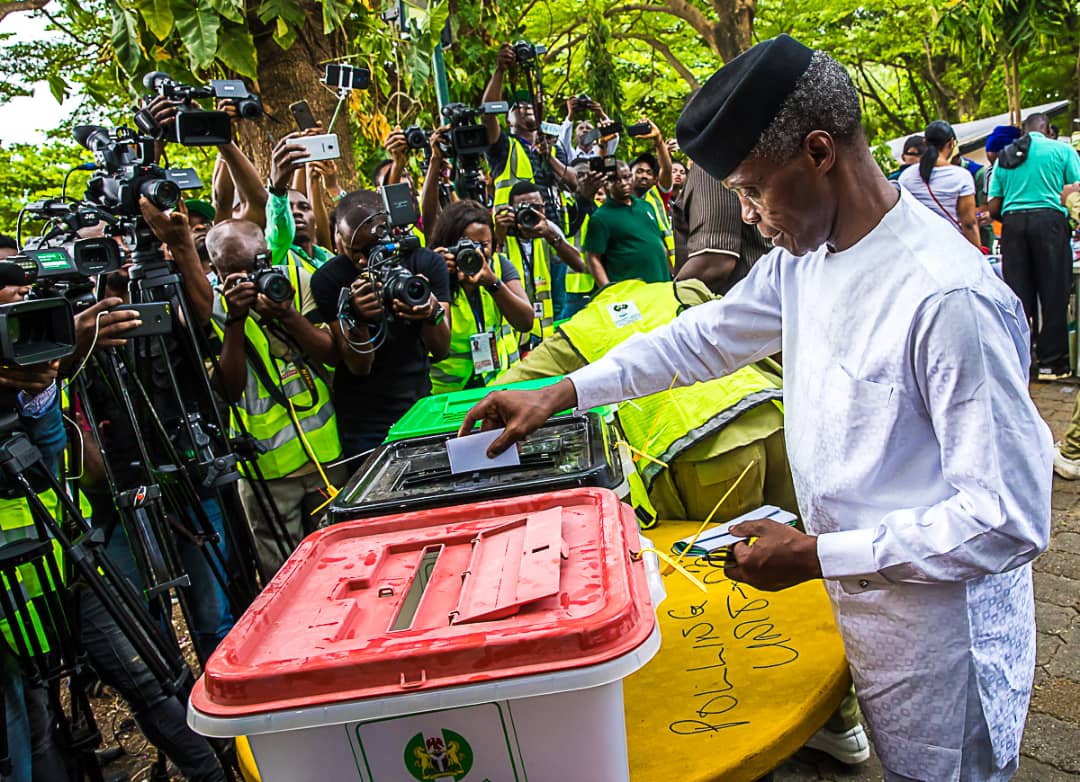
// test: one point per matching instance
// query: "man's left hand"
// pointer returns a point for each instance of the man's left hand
(654, 133)
(421, 312)
(781, 557)
(274, 310)
(171, 228)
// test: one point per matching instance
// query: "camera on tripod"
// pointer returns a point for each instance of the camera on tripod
(129, 173)
(468, 256)
(195, 127)
(271, 282)
(35, 330)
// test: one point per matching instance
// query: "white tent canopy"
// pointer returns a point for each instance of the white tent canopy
(972, 135)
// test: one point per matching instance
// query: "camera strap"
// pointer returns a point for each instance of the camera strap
(276, 388)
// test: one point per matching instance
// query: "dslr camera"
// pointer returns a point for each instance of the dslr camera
(197, 127)
(528, 217)
(397, 282)
(269, 280)
(526, 52)
(468, 256)
(416, 137)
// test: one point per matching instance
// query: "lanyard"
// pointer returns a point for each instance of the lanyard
(477, 307)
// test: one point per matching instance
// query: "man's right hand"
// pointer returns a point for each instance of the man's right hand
(103, 324)
(506, 57)
(396, 146)
(240, 295)
(589, 184)
(505, 223)
(285, 158)
(32, 379)
(366, 300)
(520, 412)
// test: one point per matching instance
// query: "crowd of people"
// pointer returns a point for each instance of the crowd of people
(316, 378)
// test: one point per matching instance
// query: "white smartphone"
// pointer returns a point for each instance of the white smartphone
(324, 147)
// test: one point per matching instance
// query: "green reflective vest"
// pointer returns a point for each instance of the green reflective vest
(261, 410)
(518, 167)
(455, 371)
(656, 201)
(666, 424)
(538, 278)
(580, 282)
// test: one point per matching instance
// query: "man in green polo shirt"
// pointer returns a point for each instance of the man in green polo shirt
(1036, 254)
(624, 241)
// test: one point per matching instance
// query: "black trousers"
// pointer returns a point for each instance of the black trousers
(1037, 265)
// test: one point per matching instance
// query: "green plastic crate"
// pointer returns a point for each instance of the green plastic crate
(444, 412)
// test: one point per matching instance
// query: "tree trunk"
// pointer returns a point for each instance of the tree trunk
(290, 75)
(733, 30)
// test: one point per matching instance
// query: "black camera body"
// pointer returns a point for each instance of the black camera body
(467, 135)
(270, 281)
(468, 256)
(128, 174)
(528, 217)
(395, 281)
(416, 138)
(198, 127)
(36, 330)
(608, 165)
(526, 52)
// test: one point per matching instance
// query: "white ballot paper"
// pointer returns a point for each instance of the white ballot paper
(469, 453)
(718, 537)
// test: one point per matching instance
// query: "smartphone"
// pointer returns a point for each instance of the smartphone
(324, 147)
(301, 111)
(347, 77)
(156, 317)
(638, 129)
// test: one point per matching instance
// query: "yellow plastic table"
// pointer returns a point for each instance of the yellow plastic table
(742, 679)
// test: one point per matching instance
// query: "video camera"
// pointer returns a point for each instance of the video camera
(36, 330)
(395, 243)
(197, 127)
(129, 172)
(467, 135)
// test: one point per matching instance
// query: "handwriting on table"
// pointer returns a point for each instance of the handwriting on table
(711, 632)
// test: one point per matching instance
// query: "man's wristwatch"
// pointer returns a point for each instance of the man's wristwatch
(492, 287)
(280, 193)
(437, 315)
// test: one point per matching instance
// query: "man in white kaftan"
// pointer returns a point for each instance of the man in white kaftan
(921, 465)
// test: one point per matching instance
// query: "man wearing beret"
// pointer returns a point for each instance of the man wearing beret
(921, 466)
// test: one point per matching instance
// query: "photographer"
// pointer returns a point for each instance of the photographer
(272, 352)
(383, 347)
(518, 155)
(488, 307)
(530, 238)
(583, 146)
(653, 183)
(290, 216)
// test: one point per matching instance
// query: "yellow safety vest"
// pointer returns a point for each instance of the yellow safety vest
(518, 168)
(455, 371)
(580, 282)
(270, 422)
(540, 295)
(656, 201)
(666, 424)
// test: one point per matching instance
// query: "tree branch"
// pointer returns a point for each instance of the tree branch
(665, 50)
(677, 8)
(15, 6)
(869, 92)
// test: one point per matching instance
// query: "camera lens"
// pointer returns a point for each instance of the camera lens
(417, 291)
(161, 193)
(275, 286)
(528, 218)
(249, 108)
(469, 260)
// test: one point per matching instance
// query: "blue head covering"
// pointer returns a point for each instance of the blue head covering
(1001, 137)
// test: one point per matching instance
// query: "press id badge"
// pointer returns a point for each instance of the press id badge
(623, 313)
(485, 355)
(538, 310)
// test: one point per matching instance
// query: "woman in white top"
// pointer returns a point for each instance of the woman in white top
(946, 189)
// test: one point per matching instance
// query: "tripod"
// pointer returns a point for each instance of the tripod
(42, 625)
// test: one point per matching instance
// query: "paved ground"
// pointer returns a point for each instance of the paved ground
(1051, 748)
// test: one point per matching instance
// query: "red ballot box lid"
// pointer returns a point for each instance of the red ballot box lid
(436, 599)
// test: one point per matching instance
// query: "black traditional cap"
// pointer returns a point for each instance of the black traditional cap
(724, 121)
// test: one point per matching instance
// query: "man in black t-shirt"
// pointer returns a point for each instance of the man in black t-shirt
(385, 356)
